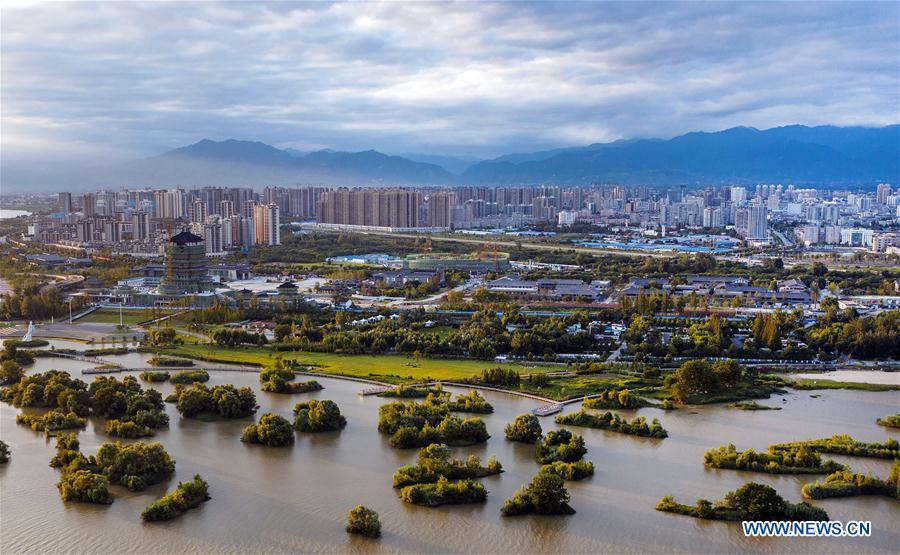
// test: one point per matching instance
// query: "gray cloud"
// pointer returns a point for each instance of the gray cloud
(102, 81)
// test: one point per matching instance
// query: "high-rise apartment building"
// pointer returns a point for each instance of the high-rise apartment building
(266, 224)
(440, 209)
(140, 226)
(64, 202)
(757, 224)
(882, 192)
(394, 208)
(168, 204)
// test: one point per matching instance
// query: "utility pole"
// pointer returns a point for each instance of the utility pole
(70, 310)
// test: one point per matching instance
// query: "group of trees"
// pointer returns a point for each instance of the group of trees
(559, 445)
(470, 402)
(272, 430)
(276, 380)
(751, 501)
(86, 479)
(222, 401)
(237, 337)
(615, 399)
(864, 338)
(611, 421)
(186, 496)
(545, 495)
(844, 483)
(794, 460)
(525, 428)
(130, 410)
(186, 377)
(318, 416)
(420, 424)
(434, 462)
(702, 376)
(842, 444)
(485, 335)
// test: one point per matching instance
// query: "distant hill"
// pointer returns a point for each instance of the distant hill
(796, 153)
(815, 156)
(234, 162)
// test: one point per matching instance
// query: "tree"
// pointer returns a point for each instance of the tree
(272, 430)
(10, 372)
(525, 428)
(756, 501)
(318, 416)
(697, 376)
(728, 372)
(363, 521)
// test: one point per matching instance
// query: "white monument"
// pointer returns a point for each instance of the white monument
(28, 333)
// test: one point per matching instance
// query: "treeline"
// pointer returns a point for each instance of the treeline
(237, 337)
(611, 421)
(845, 445)
(794, 460)
(844, 483)
(863, 338)
(751, 501)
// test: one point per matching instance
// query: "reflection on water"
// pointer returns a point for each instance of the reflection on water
(296, 499)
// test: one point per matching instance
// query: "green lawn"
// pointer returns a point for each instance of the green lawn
(389, 368)
(570, 387)
(111, 316)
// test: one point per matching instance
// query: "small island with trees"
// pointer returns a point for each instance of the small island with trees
(751, 501)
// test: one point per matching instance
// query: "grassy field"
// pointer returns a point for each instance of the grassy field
(111, 316)
(131, 317)
(569, 387)
(388, 368)
(809, 384)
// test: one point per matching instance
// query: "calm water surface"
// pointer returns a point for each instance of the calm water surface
(270, 500)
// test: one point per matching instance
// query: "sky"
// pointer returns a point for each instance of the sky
(92, 83)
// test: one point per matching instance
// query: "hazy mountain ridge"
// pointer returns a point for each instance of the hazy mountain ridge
(741, 154)
(791, 154)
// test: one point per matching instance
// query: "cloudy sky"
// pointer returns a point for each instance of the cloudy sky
(107, 81)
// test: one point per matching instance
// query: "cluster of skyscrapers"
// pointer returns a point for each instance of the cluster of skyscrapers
(140, 220)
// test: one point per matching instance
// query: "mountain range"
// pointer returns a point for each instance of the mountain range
(796, 154)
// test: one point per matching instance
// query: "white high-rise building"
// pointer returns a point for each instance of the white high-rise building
(738, 195)
(757, 223)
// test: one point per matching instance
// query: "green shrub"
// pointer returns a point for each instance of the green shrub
(151, 376)
(186, 496)
(84, 486)
(51, 421)
(364, 522)
(188, 377)
(444, 492)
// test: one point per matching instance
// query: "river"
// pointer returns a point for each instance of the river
(271, 500)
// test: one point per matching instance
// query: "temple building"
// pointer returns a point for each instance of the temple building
(186, 268)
